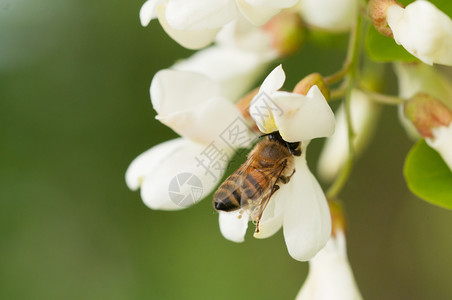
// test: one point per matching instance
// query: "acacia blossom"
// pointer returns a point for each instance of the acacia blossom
(186, 102)
(421, 78)
(195, 99)
(364, 115)
(234, 69)
(299, 206)
(195, 23)
(331, 15)
(433, 120)
(418, 77)
(423, 30)
(330, 276)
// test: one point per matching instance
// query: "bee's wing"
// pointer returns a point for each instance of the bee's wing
(233, 185)
(257, 207)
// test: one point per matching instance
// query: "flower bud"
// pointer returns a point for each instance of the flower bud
(378, 10)
(427, 113)
(304, 85)
(287, 32)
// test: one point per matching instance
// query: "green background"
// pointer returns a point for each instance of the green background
(75, 111)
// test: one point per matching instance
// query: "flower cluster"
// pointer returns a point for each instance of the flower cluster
(300, 206)
(194, 24)
(206, 99)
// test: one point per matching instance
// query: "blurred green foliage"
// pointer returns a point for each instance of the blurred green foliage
(428, 176)
(75, 111)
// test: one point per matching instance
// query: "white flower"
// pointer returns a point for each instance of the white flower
(192, 24)
(154, 170)
(423, 30)
(433, 120)
(418, 77)
(299, 206)
(442, 142)
(190, 104)
(332, 15)
(234, 69)
(259, 12)
(296, 117)
(243, 35)
(330, 276)
(334, 154)
(195, 23)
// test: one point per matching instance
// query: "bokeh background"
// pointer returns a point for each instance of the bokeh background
(75, 111)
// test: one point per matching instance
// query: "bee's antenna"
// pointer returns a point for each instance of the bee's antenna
(264, 135)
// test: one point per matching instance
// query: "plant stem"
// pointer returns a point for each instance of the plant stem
(335, 77)
(338, 93)
(352, 59)
(382, 98)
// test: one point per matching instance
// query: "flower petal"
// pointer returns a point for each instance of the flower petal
(233, 225)
(423, 30)
(273, 3)
(330, 275)
(274, 81)
(207, 122)
(147, 161)
(307, 220)
(148, 11)
(303, 117)
(236, 71)
(175, 178)
(332, 15)
(419, 77)
(272, 219)
(262, 107)
(200, 14)
(190, 39)
(442, 142)
(334, 154)
(173, 91)
(258, 15)
(241, 34)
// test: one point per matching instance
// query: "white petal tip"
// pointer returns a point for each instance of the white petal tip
(148, 12)
(233, 226)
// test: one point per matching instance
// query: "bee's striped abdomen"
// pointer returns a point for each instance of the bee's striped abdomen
(239, 190)
(254, 185)
(228, 195)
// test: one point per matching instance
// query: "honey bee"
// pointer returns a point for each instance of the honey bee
(250, 187)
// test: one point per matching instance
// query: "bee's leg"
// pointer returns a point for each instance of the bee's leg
(262, 208)
(294, 148)
(286, 179)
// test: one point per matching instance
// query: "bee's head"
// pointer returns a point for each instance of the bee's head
(294, 147)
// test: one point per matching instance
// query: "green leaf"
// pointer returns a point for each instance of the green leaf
(428, 176)
(384, 49)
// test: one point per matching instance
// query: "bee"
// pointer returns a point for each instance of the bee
(250, 187)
